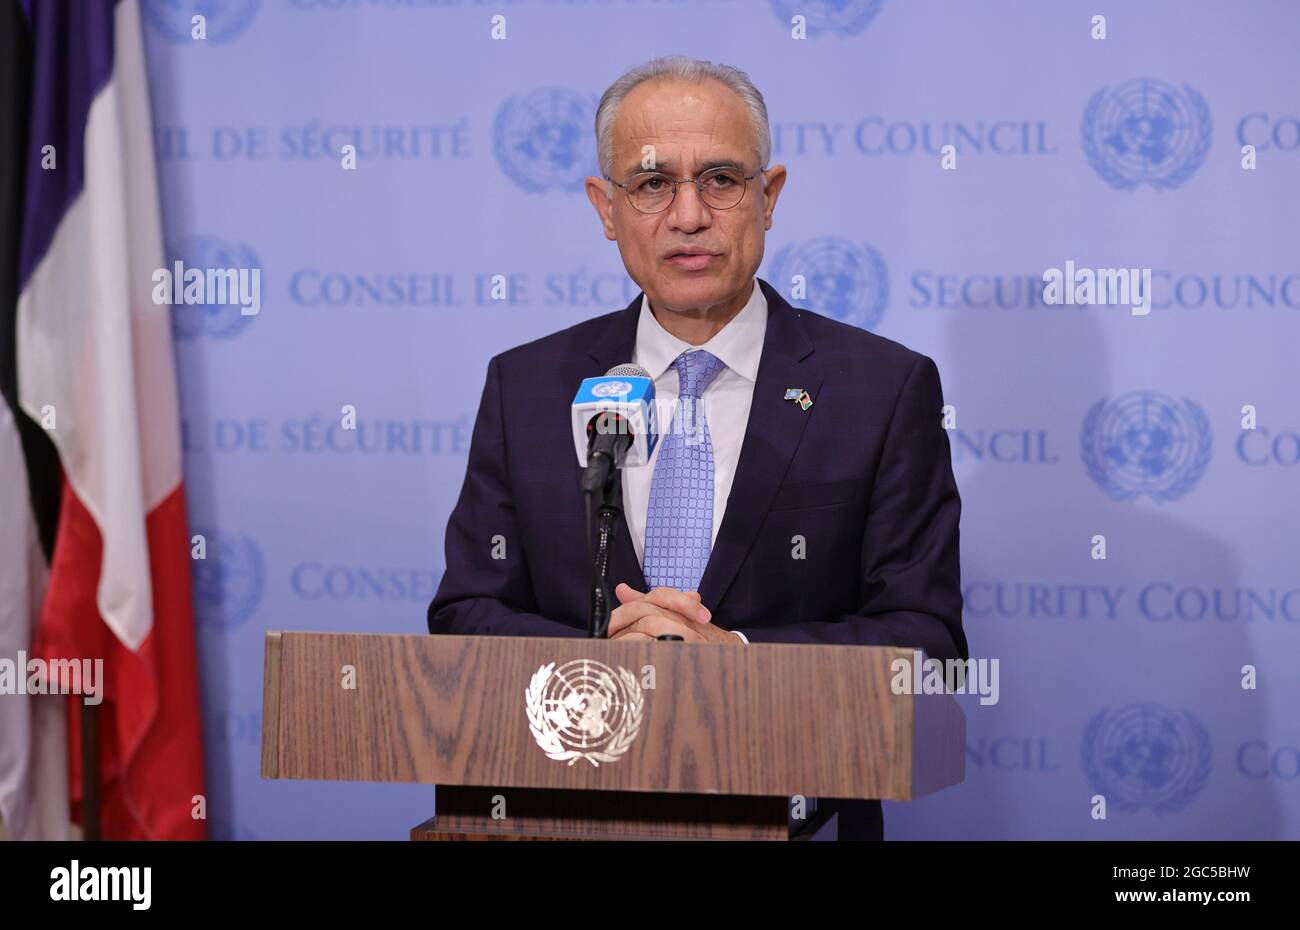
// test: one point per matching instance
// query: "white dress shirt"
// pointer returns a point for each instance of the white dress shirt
(725, 403)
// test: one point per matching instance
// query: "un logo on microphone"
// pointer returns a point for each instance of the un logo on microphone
(544, 141)
(1146, 132)
(1145, 443)
(841, 279)
(1146, 756)
(612, 389)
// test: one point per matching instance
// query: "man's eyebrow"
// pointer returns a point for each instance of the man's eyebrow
(667, 166)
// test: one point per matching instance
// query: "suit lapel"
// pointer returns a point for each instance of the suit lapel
(615, 346)
(617, 342)
(771, 437)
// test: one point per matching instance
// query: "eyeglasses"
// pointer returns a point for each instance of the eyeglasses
(720, 188)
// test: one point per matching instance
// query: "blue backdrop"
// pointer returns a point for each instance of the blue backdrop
(1120, 676)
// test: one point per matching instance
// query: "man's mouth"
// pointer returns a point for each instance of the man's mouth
(690, 259)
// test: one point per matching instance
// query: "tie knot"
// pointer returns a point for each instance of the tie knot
(695, 371)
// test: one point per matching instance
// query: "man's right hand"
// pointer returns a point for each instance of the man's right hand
(675, 605)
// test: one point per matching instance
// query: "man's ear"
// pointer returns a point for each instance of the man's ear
(775, 181)
(596, 188)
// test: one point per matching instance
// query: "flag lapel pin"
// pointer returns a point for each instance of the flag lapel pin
(800, 395)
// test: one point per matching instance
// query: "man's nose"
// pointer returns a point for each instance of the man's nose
(688, 211)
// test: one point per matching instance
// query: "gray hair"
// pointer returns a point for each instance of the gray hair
(681, 68)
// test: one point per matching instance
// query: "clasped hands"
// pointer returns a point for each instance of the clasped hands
(663, 611)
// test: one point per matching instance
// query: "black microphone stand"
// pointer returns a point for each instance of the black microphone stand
(606, 502)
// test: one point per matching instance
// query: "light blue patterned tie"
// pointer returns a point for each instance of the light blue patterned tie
(679, 522)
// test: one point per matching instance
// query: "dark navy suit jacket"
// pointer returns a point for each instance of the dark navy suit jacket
(864, 476)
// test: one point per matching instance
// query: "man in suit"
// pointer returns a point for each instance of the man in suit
(760, 518)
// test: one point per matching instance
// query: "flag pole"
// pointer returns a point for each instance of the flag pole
(89, 770)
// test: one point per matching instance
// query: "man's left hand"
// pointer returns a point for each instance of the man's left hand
(654, 626)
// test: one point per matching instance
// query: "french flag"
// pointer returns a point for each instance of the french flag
(87, 358)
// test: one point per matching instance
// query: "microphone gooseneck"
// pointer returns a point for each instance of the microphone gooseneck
(609, 436)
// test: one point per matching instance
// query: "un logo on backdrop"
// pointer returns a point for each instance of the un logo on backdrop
(1145, 755)
(175, 18)
(228, 584)
(1146, 132)
(544, 140)
(221, 321)
(844, 280)
(1146, 443)
(842, 17)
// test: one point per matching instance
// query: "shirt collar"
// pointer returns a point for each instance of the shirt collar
(738, 345)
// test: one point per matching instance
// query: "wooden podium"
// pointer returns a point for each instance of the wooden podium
(555, 738)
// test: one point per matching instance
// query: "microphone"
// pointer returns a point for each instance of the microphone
(614, 423)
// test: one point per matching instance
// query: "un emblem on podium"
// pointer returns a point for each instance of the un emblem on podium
(584, 710)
